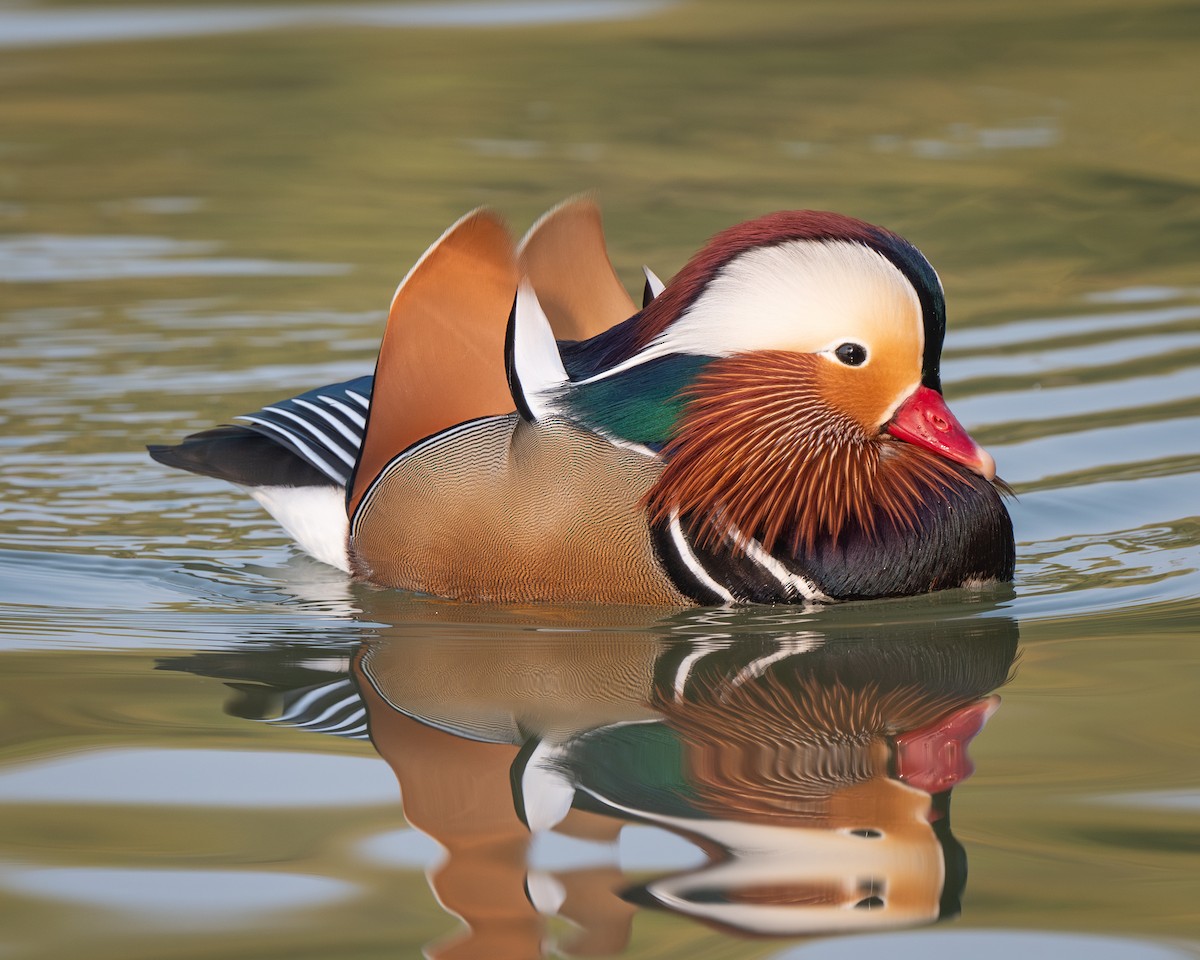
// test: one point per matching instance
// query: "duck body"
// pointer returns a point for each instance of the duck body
(588, 539)
(768, 428)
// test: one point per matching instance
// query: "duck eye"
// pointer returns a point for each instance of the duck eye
(851, 354)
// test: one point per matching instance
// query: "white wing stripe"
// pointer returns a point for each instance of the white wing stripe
(353, 416)
(326, 441)
(332, 420)
(306, 450)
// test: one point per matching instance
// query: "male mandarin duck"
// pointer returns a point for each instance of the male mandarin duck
(769, 427)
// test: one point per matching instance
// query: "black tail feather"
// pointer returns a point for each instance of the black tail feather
(239, 455)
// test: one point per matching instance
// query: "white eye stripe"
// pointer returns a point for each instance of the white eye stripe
(802, 296)
(848, 339)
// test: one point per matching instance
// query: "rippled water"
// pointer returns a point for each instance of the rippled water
(193, 226)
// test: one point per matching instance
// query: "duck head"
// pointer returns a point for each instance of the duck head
(789, 376)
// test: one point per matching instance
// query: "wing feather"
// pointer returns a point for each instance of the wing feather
(442, 357)
(565, 258)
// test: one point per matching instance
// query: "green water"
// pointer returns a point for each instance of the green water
(199, 222)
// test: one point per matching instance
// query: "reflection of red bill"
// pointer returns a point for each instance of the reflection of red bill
(934, 758)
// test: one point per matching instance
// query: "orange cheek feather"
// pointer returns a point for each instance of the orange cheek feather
(760, 450)
(856, 393)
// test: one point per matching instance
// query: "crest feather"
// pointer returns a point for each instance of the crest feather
(784, 227)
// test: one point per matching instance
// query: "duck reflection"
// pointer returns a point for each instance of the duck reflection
(811, 770)
(815, 777)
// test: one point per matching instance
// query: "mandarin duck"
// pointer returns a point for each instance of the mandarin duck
(769, 427)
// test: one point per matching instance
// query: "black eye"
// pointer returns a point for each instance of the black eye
(852, 354)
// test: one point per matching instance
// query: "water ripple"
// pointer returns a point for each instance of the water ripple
(43, 28)
(45, 258)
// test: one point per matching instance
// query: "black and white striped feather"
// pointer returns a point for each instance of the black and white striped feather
(324, 427)
(334, 708)
(294, 457)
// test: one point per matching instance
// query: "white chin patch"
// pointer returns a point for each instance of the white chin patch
(315, 517)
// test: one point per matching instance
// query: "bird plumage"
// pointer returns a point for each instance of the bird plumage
(768, 427)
